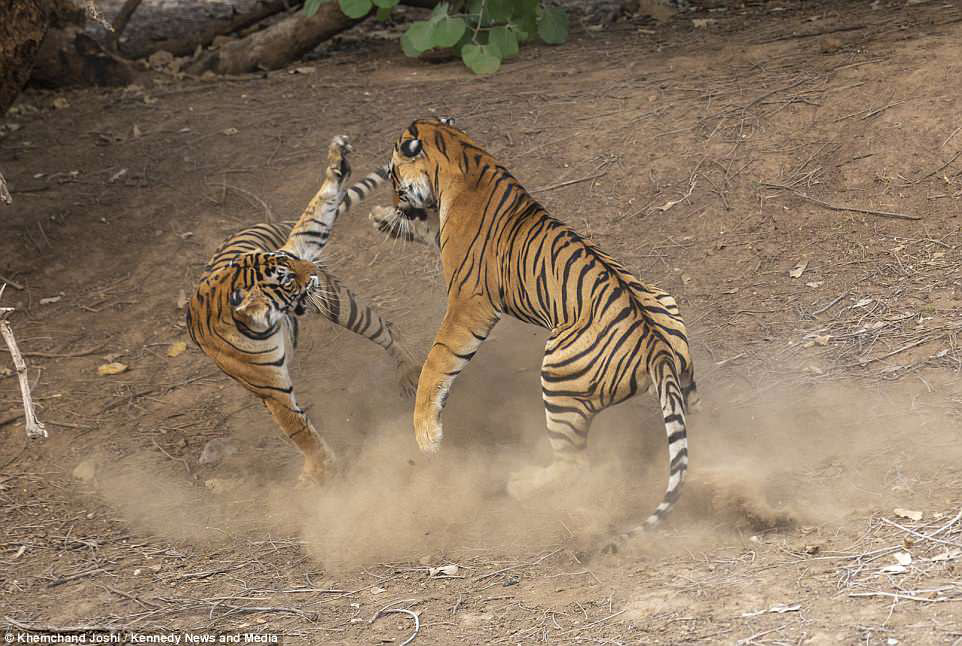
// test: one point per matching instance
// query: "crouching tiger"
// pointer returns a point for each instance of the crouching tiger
(501, 253)
(243, 312)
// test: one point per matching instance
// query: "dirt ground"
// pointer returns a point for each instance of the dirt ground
(714, 160)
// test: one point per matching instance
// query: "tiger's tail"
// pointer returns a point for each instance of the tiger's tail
(673, 396)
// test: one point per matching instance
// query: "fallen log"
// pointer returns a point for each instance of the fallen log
(186, 45)
(277, 45)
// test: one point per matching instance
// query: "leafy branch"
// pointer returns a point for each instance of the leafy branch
(482, 32)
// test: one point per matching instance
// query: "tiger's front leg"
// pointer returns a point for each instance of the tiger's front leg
(341, 306)
(458, 338)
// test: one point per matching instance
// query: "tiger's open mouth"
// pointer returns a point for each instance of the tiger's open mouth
(409, 212)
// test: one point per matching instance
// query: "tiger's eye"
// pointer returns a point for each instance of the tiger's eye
(235, 298)
(411, 148)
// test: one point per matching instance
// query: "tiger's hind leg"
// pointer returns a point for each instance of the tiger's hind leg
(319, 459)
(568, 414)
(568, 420)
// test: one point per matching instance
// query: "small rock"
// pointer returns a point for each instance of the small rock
(85, 471)
(221, 486)
(160, 59)
(831, 44)
(216, 450)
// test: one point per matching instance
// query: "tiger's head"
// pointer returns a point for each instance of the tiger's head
(426, 155)
(268, 285)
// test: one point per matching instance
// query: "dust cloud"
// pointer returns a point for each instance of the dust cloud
(790, 457)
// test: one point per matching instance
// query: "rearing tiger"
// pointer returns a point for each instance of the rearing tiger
(242, 314)
(501, 253)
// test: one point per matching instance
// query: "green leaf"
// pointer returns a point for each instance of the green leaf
(385, 4)
(525, 19)
(408, 47)
(553, 25)
(311, 6)
(520, 34)
(418, 37)
(500, 10)
(439, 11)
(383, 13)
(505, 39)
(355, 8)
(447, 32)
(481, 59)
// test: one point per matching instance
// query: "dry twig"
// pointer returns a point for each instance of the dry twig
(836, 207)
(400, 611)
(568, 183)
(4, 193)
(33, 426)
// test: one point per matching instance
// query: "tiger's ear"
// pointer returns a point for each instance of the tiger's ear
(447, 121)
(252, 305)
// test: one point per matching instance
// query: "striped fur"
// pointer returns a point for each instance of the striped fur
(242, 314)
(501, 253)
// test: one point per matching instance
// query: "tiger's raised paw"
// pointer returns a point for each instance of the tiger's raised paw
(408, 380)
(383, 218)
(338, 167)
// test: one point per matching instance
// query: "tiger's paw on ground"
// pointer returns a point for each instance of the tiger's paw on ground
(528, 482)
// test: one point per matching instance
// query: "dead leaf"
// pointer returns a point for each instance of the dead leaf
(701, 23)
(894, 569)
(799, 269)
(136, 131)
(903, 558)
(816, 284)
(176, 349)
(181, 300)
(444, 570)
(909, 514)
(862, 302)
(303, 70)
(117, 175)
(822, 339)
(377, 590)
(111, 369)
(230, 131)
(60, 103)
(50, 299)
(947, 555)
